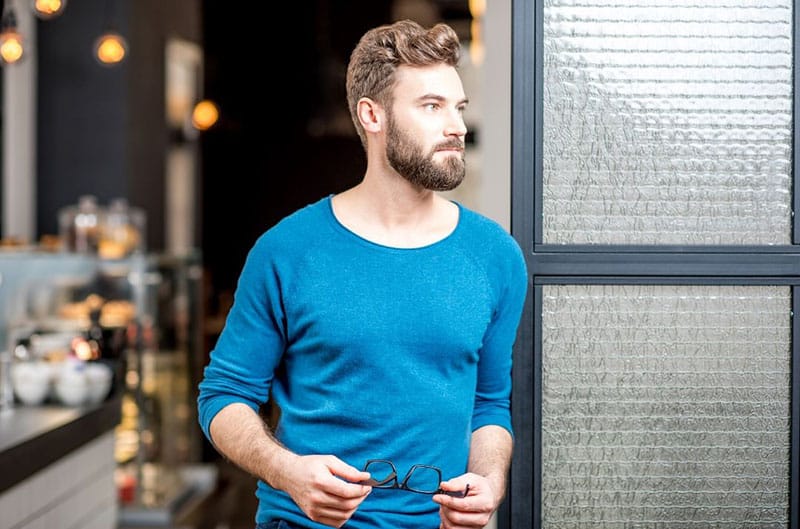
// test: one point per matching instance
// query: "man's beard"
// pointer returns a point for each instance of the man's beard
(407, 158)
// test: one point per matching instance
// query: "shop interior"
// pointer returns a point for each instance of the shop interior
(125, 219)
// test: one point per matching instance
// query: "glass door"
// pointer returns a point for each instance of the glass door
(653, 180)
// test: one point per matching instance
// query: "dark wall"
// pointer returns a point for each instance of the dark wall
(81, 121)
(277, 71)
(101, 130)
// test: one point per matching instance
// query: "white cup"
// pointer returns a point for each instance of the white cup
(98, 378)
(71, 384)
(31, 382)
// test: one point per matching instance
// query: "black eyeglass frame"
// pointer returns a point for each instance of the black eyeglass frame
(391, 482)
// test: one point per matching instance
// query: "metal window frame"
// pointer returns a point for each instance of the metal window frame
(623, 264)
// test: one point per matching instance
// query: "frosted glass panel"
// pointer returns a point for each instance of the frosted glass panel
(667, 122)
(665, 406)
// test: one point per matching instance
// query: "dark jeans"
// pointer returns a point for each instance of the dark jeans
(277, 524)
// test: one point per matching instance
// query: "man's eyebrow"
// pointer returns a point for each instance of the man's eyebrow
(441, 98)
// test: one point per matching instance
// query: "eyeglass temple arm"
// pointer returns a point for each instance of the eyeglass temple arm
(455, 493)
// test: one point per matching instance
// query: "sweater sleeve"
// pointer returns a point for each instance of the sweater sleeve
(493, 391)
(243, 361)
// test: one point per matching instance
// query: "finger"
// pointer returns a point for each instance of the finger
(347, 472)
(341, 503)
(456, 493)
(342, 491)
(451, 519)
(333, 512)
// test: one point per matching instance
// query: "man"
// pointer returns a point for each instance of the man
(380, 320)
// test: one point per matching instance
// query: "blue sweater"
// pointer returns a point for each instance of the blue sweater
(371, 351)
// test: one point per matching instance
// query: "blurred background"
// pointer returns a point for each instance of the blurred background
(196, 127)
(283, 137)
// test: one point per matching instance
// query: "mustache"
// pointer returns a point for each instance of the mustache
(450, 144)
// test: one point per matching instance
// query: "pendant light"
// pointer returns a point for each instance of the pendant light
(11, 41)
(477, 8)
(110, 48)
(47, 9)
(205, 114)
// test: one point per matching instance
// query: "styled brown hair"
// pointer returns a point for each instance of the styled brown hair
(374, 61)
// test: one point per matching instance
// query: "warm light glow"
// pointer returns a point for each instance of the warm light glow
(82, 349)
(110, 48)
(47, 9)
(204, 115)
(11, 47)
(476, 50)
(477, 8)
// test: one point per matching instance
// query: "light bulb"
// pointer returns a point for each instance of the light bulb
(477, 8)
(110, 48)
(47, 9)
(476, 49)
(11, 41)
(204, 115)
(11, 46)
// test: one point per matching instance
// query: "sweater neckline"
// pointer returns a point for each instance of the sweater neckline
(364, 241)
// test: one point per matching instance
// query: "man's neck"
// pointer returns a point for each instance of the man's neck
(394, 213)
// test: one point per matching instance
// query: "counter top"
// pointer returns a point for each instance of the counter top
(33, 437)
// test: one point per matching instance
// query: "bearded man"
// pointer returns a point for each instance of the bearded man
(380, 320)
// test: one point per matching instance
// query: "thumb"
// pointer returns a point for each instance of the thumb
(347, 472)
(460, 486)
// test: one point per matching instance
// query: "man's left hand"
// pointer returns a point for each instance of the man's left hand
(474, 510)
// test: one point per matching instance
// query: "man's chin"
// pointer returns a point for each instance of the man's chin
(448, 185)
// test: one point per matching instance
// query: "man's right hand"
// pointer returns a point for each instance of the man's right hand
(324, 487)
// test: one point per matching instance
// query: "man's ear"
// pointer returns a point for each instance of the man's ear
(370, 114)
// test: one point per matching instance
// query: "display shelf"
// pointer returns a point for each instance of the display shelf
(152, 340)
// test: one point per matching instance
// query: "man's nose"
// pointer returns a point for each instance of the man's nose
(456, 125)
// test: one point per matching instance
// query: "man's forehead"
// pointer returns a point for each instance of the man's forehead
(412, 82)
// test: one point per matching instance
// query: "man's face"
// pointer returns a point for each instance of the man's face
(425, 127)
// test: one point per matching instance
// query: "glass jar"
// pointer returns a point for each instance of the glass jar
(122, 231)
(79, 225)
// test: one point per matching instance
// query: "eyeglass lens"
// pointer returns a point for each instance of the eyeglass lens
(423, 479)
(383, 474)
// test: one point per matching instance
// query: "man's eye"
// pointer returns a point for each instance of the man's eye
(431, 106)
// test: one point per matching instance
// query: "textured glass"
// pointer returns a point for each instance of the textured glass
(665, 407)
(667, 122)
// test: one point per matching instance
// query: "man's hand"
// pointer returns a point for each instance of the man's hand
(473, 511)
(318, 484)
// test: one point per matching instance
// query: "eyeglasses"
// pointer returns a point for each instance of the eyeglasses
(423, 479)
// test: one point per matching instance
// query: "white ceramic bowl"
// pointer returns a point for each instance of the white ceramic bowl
(71, 385)
(98, 378)
(31, 382)
(72, 394)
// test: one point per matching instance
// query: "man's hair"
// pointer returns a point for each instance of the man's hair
(374, 61)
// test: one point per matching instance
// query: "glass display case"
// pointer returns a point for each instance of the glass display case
(140, 316)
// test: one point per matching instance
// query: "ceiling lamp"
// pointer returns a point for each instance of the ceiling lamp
(47, 9)
(477, 8)
(11, 41)
(110, 48)
(204, 115)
